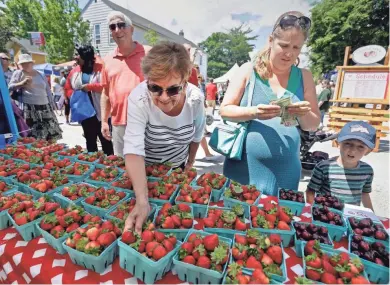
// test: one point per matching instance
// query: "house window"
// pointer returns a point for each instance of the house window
(96, 31)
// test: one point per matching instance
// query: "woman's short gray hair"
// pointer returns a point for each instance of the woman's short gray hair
(119, 15)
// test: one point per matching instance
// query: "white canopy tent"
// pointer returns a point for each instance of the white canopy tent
(228, 75)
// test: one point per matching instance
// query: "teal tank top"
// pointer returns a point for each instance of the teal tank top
(271, 150)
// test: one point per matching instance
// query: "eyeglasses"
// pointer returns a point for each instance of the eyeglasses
(290, 21)
(171, 91)
(120, 26)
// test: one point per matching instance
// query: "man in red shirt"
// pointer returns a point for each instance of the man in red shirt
(120, 75)
(211, 94)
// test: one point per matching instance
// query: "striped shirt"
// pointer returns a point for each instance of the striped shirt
(347, 184)
(158, 137)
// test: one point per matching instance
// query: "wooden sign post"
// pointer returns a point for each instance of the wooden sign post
(361, 94)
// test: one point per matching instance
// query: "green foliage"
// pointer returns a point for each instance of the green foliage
(59, 20)
(337, 24)
(226, 49)
(5, 34)
(151, 37)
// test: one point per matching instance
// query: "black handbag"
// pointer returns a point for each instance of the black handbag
(17, 95)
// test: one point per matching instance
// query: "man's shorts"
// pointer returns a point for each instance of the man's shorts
(210, 103)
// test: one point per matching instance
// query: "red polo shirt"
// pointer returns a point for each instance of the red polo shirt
(211, 91)
(120, 76)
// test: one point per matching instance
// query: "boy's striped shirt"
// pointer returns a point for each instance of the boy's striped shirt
(344, 183)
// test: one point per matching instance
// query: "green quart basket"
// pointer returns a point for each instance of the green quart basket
(335, 232)
(216, 194)
(228, 233)
(57, 244)
(79, 178)
(5, 221)
(300, 244)
(197, 275)
(229, 203)
(376, 273)
(142, 267)
(275, 277)
(330, 252)
(97, 211)
(200, 211)
(95, 263)
(28, 231)
(295, 207)
(64, 201)
(351, 232)
(180, 234)
(171, 200)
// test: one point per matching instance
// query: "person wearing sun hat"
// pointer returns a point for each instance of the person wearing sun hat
(346, 176)
(37, 100)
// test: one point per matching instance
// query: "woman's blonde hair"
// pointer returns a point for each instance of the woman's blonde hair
(56, 80)
(167, 59)
(262, 61)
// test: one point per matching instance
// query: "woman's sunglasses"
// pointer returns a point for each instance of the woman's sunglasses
(158, 90)
(120, 26)
(291, 20)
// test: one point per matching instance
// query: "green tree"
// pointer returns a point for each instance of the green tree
(21, 15)
(5, 33)
(226, 49)
(59, 20)
(337, 24)
(151, 37)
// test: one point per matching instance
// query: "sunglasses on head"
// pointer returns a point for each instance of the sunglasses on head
(291, 20)
(171, 90)
(120, 25)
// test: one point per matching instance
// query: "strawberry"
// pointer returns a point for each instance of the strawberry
(204, 262)
(266, 260)
(211, 242)
(60, 212)
(313, 261)
(159, 236)
(72, 227)
(106, 239)
(189, 259)
(359, 280)
(328, 267)
(147, 236)
(259, 277)
(239, 251)
(313, 273)
(328, 278)
(275, 239)
(209, 222)
(128, 237)
(283, 226)
(252, 262)
(159, 252)
(275, 252)
(51, 207)
(34, 215)
(57, 231)
(187, 246)
(240, 239)
(239, 225)
(168, 245)
(93, 233)
(21, 218)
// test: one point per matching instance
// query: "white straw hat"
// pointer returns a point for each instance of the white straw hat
(24, 58)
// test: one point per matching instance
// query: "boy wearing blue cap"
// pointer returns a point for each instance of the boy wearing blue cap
(345, 176)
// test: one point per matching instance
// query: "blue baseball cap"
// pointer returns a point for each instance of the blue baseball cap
(358, 130)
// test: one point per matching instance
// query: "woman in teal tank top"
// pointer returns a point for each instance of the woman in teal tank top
(271, 151)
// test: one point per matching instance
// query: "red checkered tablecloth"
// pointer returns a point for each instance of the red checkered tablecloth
(35, 261)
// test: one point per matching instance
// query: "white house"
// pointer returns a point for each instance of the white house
(96, 11)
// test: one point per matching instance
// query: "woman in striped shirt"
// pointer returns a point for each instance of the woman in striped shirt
(165, 121)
